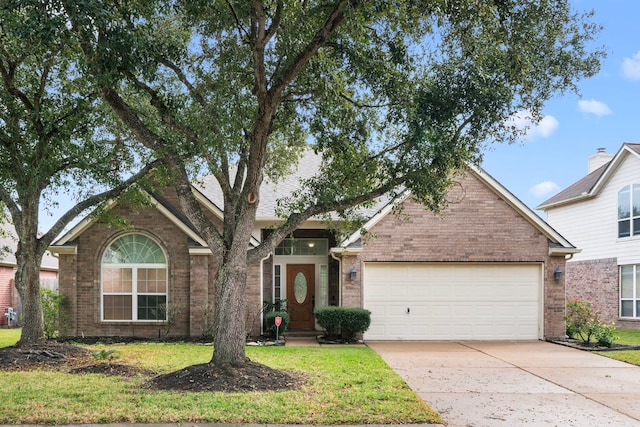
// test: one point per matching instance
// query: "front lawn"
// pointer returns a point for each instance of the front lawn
(627, 337)
(344, 385)
(9, 337)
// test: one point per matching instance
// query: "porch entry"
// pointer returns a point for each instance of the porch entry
(301, 295)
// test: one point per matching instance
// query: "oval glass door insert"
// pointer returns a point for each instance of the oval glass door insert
(300, 288)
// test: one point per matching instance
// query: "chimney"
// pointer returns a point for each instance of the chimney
(599, 159)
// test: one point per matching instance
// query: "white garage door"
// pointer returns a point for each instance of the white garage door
(413, 301)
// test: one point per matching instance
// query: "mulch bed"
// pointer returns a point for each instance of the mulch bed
(49, 354)
(52, 355)
(580, 345)
(250, 376)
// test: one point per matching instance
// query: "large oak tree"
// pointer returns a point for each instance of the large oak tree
(54, 139)
(395, 95)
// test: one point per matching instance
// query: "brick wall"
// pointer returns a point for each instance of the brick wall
(80, 277)
(480, 228)
(597, 281)
(6, 291)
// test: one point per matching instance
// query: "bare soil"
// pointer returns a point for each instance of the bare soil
(51, 355)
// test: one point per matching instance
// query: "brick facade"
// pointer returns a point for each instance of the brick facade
(597, 281)
(480, 228)
(7, 290)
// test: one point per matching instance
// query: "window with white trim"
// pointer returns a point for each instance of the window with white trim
(277, 283)
(629, 211)
(134, 280)
(630, 291)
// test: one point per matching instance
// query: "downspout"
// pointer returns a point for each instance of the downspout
(333, 255)
(262, 291)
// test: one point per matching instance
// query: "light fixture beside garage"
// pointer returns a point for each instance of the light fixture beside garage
(353, 273)
(557, 274)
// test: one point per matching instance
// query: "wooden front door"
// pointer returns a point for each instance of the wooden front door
(301, 295)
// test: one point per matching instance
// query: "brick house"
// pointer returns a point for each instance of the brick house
(600, 213)
(8, 293)
(482, 269)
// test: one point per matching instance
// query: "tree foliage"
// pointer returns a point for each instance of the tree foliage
(55, 137)
(394, 95)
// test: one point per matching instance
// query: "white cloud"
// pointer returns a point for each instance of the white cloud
(631, 67)
(544, 188)
(594, 107)
(522, 121)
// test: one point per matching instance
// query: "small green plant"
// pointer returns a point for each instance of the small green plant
(105, 355)
(270, 321)
(605, 335)
(586, 324)
(55, 321)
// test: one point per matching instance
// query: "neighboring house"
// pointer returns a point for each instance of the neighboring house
(483, 269)
(8, 292)
(601, 215)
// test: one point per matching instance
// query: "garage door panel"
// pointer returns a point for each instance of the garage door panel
(463, 301)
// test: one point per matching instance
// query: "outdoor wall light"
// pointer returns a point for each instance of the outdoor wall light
(353, 273)
(557, 274)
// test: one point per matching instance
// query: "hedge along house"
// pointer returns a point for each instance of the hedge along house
(482, 269)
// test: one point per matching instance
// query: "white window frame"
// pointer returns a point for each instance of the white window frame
(631, 218)
(280, 276)
(134, 286)
(635, 299)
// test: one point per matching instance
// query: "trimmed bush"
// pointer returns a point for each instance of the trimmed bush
(270, 320)
(342, 322)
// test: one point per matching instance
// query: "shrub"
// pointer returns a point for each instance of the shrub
(344, 322)
(53, 303)
(605, 335)
(270, 320)
(586, 324)
(329, 318)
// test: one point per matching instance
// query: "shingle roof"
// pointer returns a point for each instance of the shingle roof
(577, 189)
(271, 191)
(9, 240)
(588, 186)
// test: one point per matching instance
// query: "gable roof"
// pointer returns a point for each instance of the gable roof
(589, 186)
(558, 245)
(208, 192)
(164, 207)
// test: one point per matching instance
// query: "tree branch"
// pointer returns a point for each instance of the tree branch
(294, 220)
(89, 202)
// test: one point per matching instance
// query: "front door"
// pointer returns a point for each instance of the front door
(301, 295)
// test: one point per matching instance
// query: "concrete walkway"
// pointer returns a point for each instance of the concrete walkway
(517, 383)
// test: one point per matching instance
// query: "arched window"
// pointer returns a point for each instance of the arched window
(134, 280)
(629, 211)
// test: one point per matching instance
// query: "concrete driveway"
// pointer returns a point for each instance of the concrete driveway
(517, 383)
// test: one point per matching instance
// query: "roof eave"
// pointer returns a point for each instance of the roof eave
(563, 251)
(581, 197)
(63, 249)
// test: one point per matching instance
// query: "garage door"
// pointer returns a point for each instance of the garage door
(410, 301)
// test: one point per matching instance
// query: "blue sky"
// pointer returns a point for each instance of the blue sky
(554, 155)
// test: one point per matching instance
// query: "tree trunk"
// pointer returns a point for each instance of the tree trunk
(28, 285)
(230, 312)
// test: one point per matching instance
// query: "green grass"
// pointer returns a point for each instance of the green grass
(344, 385)
(627, 337)
(9, 337)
